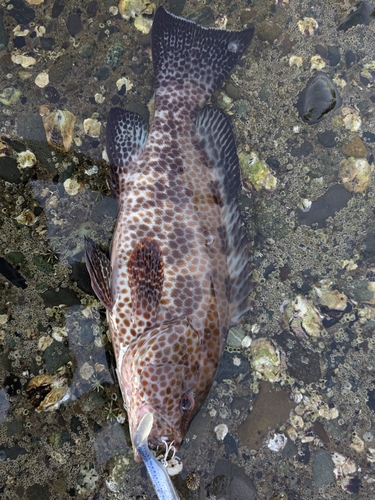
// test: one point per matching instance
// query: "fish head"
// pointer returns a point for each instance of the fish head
(160, 374)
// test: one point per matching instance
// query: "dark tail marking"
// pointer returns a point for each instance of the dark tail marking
(191, 57)
(126, 135)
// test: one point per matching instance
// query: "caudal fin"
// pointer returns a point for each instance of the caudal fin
(191, 58)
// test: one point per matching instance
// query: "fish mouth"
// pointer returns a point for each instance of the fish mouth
(160, 442)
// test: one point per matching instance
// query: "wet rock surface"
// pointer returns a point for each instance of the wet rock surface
(319, 97)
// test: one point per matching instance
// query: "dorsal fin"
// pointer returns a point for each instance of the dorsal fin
(125, 137)
(146, 276)
(215, 141)
(100, 271)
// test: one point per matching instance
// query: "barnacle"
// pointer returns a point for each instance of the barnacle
(267, 359)
(59, 126)
(303, 317)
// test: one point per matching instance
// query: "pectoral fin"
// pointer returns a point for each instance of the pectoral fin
(99, 268)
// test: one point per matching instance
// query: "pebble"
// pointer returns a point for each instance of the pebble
(322, 470)
(327, 138)
(21, 12)
(334, 56)
(362, 15)
(355, 147)
(9, 171)
(319, 97)
(74, 24)
(333, 200)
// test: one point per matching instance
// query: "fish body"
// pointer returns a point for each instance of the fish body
(178, 275)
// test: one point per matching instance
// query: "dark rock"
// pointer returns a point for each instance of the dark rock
(51, 94)
(56, 355)
(38, 491)
(9, 171)
(74, 24)
(232, 482)
(269, 31)
(371, 399)
(333, 55)
(349, 58)
(227, 370)
(3, 33)
(31, 127)
(176, 6)
(327, 138)
(64, 296)
(363, 14)
(11, 274)
(138, 69)
(321, 432)
(92, 8)
(305, 149)
(21, 12)
(232, 91)
(105, 207)
(332, 201)
(47, 43)
(306, 372)
(102, 73)
(12, 453)
(19, 42)
(321, 50)
(230, 445)
(369, 136)
(57, 8)
(82, 277)
(204, 16)
(12, 385)
(271, 409)
(273, 162)
(322, 470)
(319, 97)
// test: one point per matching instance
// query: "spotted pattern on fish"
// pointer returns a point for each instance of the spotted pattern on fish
(178, 276)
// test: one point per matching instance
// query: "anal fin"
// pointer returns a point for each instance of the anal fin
(99, 268)
(146, 276)
(125, 137)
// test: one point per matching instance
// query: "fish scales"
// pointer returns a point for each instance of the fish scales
(178, 276)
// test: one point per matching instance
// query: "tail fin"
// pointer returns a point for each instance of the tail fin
(193, 59)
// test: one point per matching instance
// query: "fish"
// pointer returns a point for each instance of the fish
(178, 277)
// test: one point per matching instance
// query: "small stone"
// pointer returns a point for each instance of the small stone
(269, 32)
(327, 138)
(74, 24)
(319, 97)
(363, 14)
(355, 147)
(42, 80)
(333, 55)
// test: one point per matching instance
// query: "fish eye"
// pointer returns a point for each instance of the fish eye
(187, 402)
(233, 47)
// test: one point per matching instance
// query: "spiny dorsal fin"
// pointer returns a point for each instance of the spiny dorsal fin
(126, 135)
(215, 141)
(99, 268)
(146, 277)
(191, 56)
